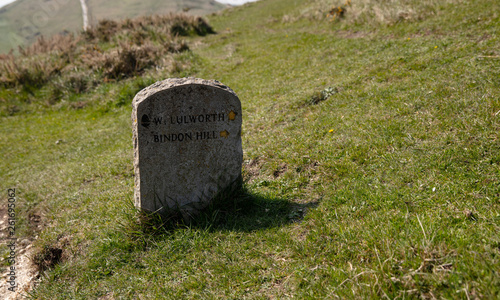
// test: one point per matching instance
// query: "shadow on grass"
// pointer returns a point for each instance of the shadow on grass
(241, 211)
(245, 211)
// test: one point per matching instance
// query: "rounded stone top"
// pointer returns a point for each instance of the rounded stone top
(175, 82)
(187, 144)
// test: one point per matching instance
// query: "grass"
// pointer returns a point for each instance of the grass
(387, 187)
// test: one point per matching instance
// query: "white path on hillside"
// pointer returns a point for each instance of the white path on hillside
(85, 14)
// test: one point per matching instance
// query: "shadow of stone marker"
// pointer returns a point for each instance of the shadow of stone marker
(187, 144)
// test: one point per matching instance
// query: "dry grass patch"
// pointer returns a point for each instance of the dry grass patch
(111, 50)
(372, 11)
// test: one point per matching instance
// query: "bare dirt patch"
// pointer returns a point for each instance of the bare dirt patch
(25, 271)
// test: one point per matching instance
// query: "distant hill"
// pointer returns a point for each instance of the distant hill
(23, 21)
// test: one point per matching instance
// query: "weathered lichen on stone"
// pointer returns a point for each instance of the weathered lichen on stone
(187, 144)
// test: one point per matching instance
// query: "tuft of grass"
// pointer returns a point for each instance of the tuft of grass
(323, 95)
(28, 72)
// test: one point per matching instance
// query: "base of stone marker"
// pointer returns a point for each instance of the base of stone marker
(191, 211)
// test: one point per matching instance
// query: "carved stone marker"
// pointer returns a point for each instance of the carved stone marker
(187, 144)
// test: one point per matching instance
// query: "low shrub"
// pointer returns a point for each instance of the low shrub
(111, 50)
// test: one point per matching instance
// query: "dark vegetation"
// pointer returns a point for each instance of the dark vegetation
(68, 64)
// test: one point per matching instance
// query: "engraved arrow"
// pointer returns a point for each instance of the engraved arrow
(224, 134)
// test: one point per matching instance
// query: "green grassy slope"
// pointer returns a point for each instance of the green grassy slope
(371, 149)
(24, 20)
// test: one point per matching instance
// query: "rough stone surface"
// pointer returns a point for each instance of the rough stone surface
(187, 144)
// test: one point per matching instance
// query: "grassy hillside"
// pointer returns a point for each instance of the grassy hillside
(371, 160)
(23, 21)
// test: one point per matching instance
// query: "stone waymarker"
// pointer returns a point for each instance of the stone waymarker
(187, 144)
